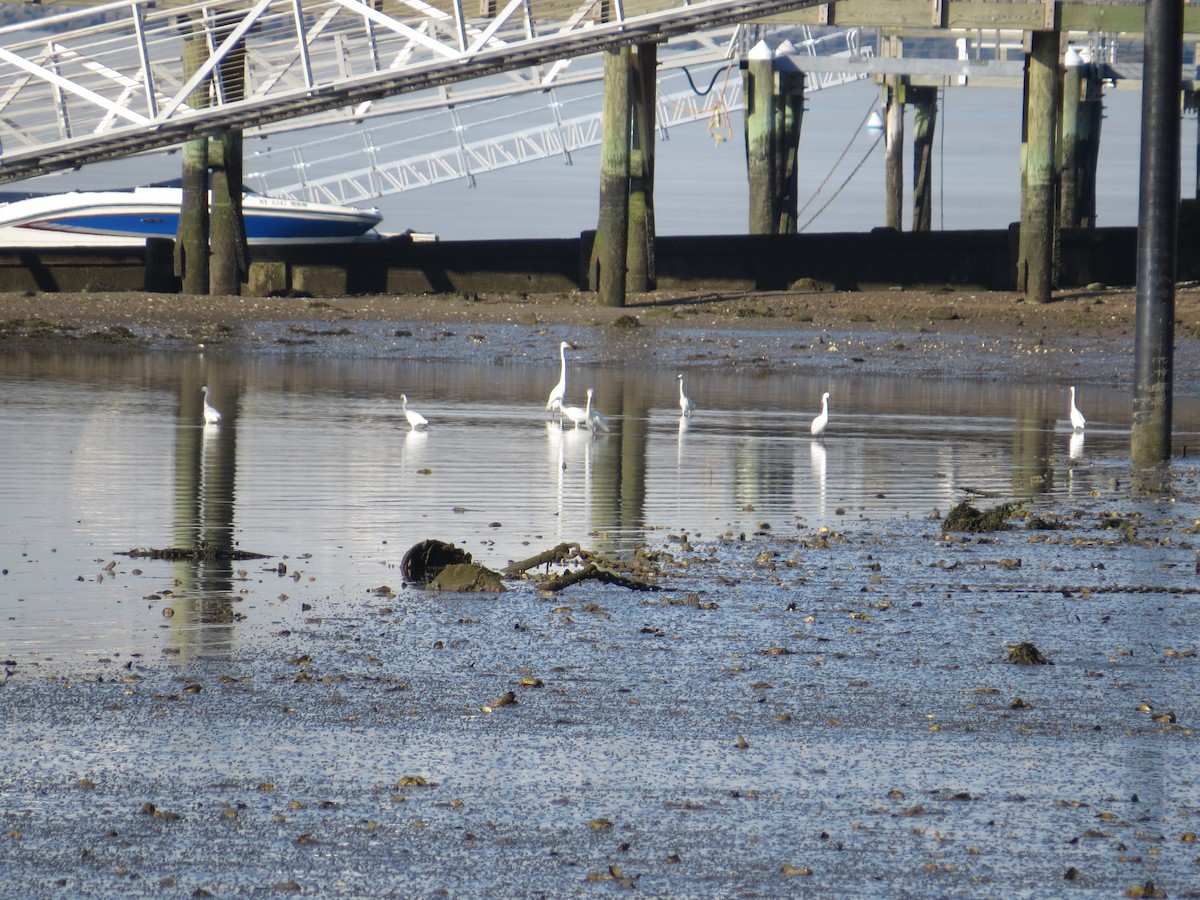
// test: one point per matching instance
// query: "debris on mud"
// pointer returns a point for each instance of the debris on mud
(1026, 654)
(965, 517)
(194, 554)
(595, 567)
(467, 578)
(423, 561)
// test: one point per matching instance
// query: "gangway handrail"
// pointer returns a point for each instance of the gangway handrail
(107, 119)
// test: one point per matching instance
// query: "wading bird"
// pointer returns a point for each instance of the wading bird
(818, 424)
(212, 415)
(415, 419)
(1078, 422)
(559, 392)
(595, 421)
(577, 414)
(686, 406)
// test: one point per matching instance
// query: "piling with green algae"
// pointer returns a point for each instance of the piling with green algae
(760, 123)
(789, 115)
(1035, 268)
(610, 251)
(924, 124)
(775, 110)
(191, 244)
(230, 255)
(893, 158)
(641, 276)
(1158, 225)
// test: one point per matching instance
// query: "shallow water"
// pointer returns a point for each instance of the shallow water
(315, 466)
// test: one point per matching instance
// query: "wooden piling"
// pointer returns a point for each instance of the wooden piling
(789, 115)
(759, 91)
(230, 254)
(1070, 144)
(924, 125)
(893, 159)
(1158, 223)
(191, 243)
(644, 75)
(609, 253)
(1035, 275)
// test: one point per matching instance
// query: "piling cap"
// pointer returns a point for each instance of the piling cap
(760, 51)
(1072, 58)
(787, 48)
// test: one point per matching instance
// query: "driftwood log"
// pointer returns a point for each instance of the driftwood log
(594, 568)
(593, 571)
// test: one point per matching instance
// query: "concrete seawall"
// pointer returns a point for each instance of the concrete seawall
(984, 260)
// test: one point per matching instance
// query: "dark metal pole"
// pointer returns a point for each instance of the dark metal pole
(1158, 223)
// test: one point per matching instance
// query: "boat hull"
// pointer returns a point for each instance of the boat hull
(121, 218)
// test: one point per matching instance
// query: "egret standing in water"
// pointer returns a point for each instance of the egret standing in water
(559, 392)
(595, 421)
(212, 415)
(1078, 422)
(818, 424)
(577, 414)
(415, 419)
(686, 407)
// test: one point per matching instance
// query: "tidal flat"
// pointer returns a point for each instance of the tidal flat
(809, 705)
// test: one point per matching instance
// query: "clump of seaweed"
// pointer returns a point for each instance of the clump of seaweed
(1026, 654)
(965, 517)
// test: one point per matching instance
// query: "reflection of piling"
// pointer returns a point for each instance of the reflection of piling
(1035, 269)
(640, 276)
(609, 255)
(1158, 222)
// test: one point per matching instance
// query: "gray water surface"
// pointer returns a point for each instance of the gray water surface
(315, 466)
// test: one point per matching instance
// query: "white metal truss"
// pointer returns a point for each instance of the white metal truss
(334, 170)
(109, 80)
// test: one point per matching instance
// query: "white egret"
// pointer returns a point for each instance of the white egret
(555, 401)
(818, 424)
(415, 419)
(576, 414)
(595, 421)
(212, 415)
(1078, 422)
(685, 402)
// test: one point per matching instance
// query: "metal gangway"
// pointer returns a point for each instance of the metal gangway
(698, 82)
(110, 80)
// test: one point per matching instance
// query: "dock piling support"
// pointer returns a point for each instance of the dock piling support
(759, 91)
(230, 264)
(1158, 223)
(924, 125)
(607, 271)
(893, 159)
(644, 75)
(1035, 275)
(191, 244)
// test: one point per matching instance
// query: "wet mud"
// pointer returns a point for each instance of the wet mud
(795, 712)
(804, 713)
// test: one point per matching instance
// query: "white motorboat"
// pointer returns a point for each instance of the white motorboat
(126, 218)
